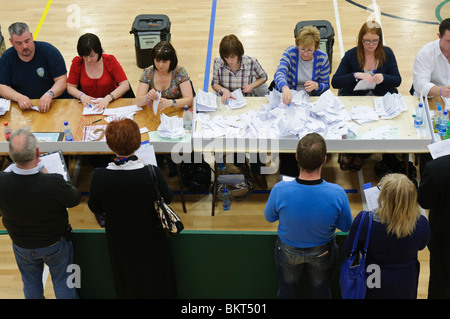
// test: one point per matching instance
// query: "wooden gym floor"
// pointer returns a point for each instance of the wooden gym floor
(265, 28)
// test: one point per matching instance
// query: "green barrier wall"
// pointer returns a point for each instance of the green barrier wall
(208, 265)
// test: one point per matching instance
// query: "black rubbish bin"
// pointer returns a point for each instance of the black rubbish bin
(149, 30)
(326, 36)
(2, 43)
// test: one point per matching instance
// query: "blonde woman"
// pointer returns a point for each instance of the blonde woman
(399, 231)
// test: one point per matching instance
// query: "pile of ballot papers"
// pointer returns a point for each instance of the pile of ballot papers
(390, 105)
(206, 101)
(327, 117)
(5, 106)
(171, 127)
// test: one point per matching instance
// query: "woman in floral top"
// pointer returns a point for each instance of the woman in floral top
(167, 77)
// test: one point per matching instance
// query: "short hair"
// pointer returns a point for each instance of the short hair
(166, 52)
(308, 36)
(87, 43)
(231, 46)
(374, 28)
(444, 26)
(18, 28)
(123, 136)
(399, 209)
(22, 153)
(311, 152)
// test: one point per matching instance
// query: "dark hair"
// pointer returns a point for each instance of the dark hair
(123, 136)
(164, 51)
(89, 42)
(444, 26)
(311, 152)
(231, 46)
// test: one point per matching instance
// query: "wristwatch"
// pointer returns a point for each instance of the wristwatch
(174, 103)
(52, 94)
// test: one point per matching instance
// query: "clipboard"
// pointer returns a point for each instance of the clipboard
(54, 163)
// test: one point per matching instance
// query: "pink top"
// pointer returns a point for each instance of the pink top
(113, 74)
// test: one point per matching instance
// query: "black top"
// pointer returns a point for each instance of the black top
(138, 247)
(34, 207)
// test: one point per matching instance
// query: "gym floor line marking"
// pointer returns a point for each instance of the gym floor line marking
(210, 43)
(394, 16)
(41, 21)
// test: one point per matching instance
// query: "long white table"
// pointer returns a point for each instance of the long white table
(408, 140)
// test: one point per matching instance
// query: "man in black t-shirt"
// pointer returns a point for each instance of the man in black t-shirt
(31, 70)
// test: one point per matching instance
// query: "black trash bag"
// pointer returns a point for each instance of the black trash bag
(196, 177)
(391, 164)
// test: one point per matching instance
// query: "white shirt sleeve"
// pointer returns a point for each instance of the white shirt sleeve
(431, 68)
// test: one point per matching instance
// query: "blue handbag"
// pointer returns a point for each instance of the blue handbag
(353, 277)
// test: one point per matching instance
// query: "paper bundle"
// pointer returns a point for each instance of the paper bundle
(171, 127)
(5, 106)
(205, 102)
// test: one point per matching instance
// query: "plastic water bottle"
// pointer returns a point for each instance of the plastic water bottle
(7, 130)
(447, 133)
(68, 136)
(226, 199)
(221, 167)
(418, 119)
(443, 124)
(187, 119)
(437, 117)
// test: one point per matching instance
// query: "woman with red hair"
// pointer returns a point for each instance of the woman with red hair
(369, 61)
(124, 191)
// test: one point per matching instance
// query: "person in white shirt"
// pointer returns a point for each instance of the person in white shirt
(431, 73)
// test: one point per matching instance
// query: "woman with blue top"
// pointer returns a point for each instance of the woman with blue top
(369, 61)
(303, 66)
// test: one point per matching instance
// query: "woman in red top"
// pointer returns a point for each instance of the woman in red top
(94, 75)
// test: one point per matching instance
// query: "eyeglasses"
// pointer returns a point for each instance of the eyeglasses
(306, 51)
(369, 42)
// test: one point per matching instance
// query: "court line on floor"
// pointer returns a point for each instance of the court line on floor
(210, 43)
(391, 15)
(338, 28)
(42, 19)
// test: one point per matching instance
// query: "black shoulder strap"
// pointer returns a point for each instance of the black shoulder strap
(154, 179)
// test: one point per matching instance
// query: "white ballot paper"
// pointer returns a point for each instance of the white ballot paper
(206, 102)
(439, 149)
(171, 127)
(54, 163)
(372, 194)
(146, 153)
(238, 102)
(363, 85)
(5, 106)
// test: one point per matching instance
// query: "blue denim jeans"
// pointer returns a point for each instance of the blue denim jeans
(31, 265)
(318, 262)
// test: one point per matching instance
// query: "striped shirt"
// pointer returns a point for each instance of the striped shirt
(287, 71)
(249, 71)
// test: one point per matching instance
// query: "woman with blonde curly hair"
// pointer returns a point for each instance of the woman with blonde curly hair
(398, 232)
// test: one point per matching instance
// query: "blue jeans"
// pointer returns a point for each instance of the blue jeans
(31, 265)
(318, 262)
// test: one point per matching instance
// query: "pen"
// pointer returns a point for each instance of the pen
(97, 121)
